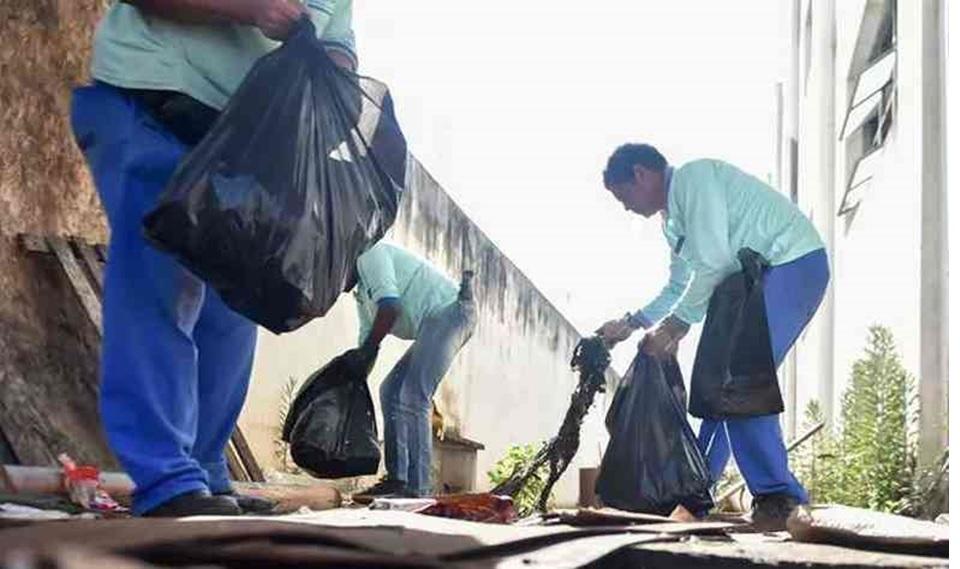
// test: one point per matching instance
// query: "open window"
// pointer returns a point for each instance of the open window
(871, 105)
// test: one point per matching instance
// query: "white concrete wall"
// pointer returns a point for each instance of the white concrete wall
(878, 254)
(815, 181)
(510, 385)
(875, 253)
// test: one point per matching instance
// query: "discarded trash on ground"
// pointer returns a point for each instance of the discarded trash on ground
(82, 484)
(487, 508)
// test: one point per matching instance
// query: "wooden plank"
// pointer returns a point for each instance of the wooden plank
(234, 465)
(292, 497)
(240, 458)
(92, 263)
(88, 298)
(34, 243)
(246, 456)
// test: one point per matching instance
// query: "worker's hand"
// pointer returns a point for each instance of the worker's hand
(275, 18)
(659, 344)
(341, 60)
(615, 331)
(665, 340)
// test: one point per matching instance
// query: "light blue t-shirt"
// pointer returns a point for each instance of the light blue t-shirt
(713, 211)
(387, 271)
(135, 50)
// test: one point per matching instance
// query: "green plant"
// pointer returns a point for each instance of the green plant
(516, 459)
(870, 461)
(928, 497)
(281, 449)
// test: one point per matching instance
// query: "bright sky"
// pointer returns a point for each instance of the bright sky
(514, 106)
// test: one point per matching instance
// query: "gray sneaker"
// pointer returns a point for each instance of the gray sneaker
(386, 488)
(770, 511)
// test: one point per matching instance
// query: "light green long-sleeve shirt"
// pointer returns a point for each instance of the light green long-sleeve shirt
(713, 211)
(389, 272)
(135, 50)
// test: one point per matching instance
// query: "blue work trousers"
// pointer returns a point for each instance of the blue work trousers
(792, 293)
(176, 360)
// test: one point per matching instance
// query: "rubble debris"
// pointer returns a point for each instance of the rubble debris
(591, 358)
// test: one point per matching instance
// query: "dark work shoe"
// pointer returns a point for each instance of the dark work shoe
(251, 504)
(197, 503)
(770, 511)
(386, 488)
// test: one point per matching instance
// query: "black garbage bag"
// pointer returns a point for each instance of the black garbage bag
(734, 374)
(331, 426)
(301, 173)
(652, 462)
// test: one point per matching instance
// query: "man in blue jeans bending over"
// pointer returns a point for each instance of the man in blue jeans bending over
(710, 211)
(176, 361)
(399, 293)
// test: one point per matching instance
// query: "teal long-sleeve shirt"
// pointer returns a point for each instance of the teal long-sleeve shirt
(714, 210)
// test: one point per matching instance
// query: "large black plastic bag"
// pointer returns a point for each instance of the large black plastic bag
(331, 426)
(734, 374)
(301, 173)
(652, 462)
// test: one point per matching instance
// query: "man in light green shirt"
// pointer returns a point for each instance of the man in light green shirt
(205, 48)
(712, 210)
(176, 360)
(402, 294)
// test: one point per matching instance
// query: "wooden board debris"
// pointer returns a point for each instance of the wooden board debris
(83, 265)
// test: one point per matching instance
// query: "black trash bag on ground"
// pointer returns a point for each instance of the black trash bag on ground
(331, 426)
(734, 374)
(652, 463)
(301, 173)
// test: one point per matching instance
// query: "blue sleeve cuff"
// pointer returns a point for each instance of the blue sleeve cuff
(388, 302)
(639, 320)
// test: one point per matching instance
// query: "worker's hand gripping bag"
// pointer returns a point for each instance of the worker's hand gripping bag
(652, 463)
(331, 425)
(301, 173)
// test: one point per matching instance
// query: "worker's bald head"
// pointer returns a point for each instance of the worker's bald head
(635, 176)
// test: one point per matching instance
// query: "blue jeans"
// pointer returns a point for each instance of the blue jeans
(176, 360)
(406, 393)
(792, 293)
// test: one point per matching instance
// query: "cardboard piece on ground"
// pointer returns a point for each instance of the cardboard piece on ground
(580, 552)
(402, 537)
(605, 516)
(857, 527)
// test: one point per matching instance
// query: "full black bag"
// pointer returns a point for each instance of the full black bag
(301, 173)
(734, 374)
(331, 426)
(652, 462)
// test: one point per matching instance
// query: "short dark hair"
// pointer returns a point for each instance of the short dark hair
(621, 162)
